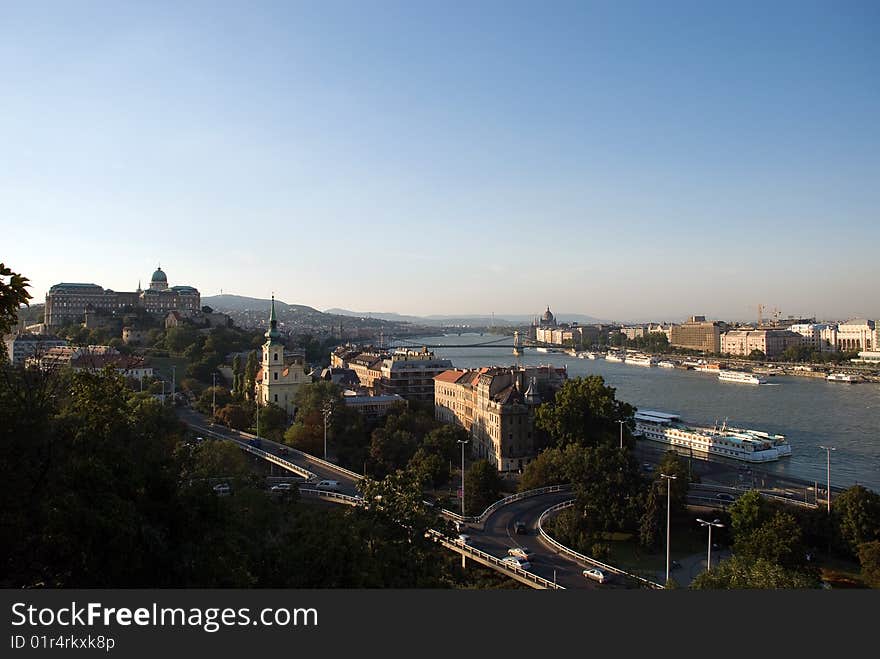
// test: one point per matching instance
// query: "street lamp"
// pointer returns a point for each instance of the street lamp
(173, 381)
(462, 442)
(213, 397)
(328, 410)
(828, 450)
(621, 422)
(668, 516)
(716, 523)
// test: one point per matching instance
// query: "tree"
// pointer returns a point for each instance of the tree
(740, 573)
(779, 540)
(756, 355)
(545, 470)
(430, 469)
(672, 464)
(584, 411)
(747, 513)
(213, 399)
(649, 524)
(250, 375)
(13, 294)
(869, 558)
(273, 422)
(857, 515)
(482, 487)
(234, 416)
(237, 377)
(178, 338)
(391, 450)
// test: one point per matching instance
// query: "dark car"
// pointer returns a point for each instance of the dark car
(520, 528)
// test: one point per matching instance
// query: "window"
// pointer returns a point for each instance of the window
(276, 398)
(276, 375)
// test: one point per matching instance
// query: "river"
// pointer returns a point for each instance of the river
(809, 411)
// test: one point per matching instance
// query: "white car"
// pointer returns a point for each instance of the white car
(282, 487)
(521, 552)
(516, 561)
(328, 486)
(596, 574)
(222, 489)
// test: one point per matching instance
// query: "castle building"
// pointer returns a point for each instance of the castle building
(70, 303)
(281, 372)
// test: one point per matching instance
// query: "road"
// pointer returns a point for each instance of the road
(200, 423)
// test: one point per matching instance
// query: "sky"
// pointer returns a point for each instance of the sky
(619, 159)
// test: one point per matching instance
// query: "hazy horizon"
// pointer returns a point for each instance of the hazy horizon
(629, 162)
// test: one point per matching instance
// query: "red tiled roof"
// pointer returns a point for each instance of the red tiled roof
(451, 375)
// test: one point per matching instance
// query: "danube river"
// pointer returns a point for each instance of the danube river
(809, 411)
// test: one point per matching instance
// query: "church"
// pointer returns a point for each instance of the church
(281, 373)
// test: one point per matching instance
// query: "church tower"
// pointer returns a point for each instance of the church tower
(273, 360)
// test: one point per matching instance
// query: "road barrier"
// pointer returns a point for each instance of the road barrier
(581, 557)
(333, 496)
(743, 490)
(308, 456)
(523, 576)
(479, 519)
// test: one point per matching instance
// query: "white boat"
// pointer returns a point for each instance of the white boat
(727, 442)
(843, 377)
(641, 360)
(741, 377)
(594, 355)
(615, 357)
(541, 349)
(666, 364)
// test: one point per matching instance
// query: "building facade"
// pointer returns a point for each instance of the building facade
(697, 334)
(813, 336)
(771, 342)
(856, 334)
(407, 373)
(20, 347)
(497, 407)
(69, 303)
(281, 373)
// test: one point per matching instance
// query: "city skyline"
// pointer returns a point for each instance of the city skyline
(624, 163)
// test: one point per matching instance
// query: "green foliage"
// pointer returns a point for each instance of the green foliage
(584, 411)
(177, 339)
(482, 487)
(756, 355)
(742, 573)
(234, 416)
(545, 470)
(430, 469)
(869, 558)
(213, 398)
(273, 422)
(13, 294)
(747, 513)
(250, 375)
(857, 515)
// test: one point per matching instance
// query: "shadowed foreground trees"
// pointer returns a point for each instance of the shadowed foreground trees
(102, 487)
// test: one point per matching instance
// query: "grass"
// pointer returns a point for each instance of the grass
(627, 555)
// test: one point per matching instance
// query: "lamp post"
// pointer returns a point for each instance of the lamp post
(258, 419)
(173, 382)
(668, 516)
(328, 410)
(462, 442)
(621, 422)
(716, 523)
(213, 397)
(828, 450)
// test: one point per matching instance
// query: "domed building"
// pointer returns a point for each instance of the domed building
(548, 320)
(69, 302)
(159, 281)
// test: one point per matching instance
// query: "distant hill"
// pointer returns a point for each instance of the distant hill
(487, 321)
(243, 303)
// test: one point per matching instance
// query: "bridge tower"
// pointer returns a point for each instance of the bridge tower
(517, 344)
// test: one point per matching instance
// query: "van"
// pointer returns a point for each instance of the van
(328, 486)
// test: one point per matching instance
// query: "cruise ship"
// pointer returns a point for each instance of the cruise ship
(842, 377)
(641, 360)
(726, 442)
(741, 377)
(615, 357)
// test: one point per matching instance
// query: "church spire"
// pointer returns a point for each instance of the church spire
(273, 332)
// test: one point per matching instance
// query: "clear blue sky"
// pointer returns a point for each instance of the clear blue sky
(624, 160)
